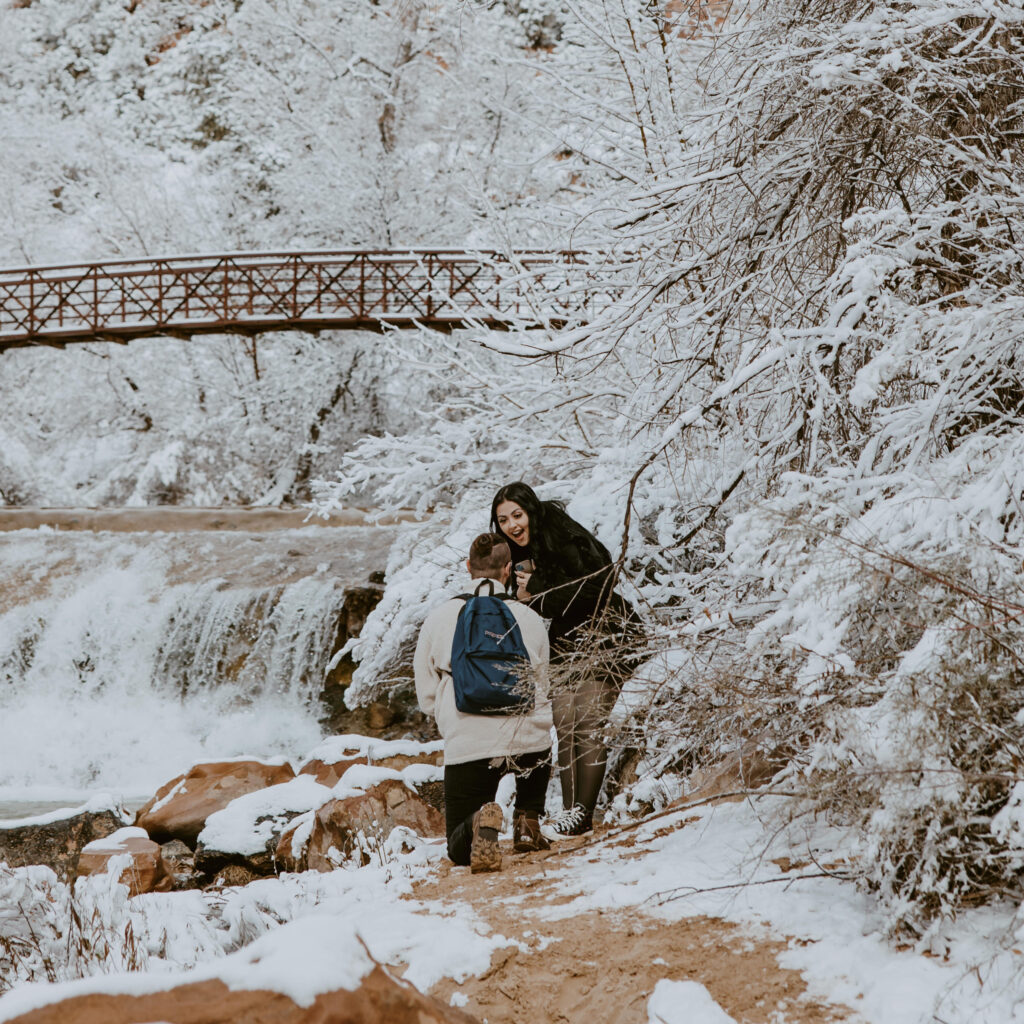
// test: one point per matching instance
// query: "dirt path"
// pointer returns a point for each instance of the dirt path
(601, 967)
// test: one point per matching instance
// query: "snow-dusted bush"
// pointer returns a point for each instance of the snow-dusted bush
(862, 292)
(891, 544)
(50, 931)
(925, 773)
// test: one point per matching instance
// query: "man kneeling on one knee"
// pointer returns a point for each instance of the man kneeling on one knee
(491, 740)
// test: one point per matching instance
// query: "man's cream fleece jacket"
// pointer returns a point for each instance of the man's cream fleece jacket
(472, 737)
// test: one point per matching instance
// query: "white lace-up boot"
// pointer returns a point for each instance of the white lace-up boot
(571, 821)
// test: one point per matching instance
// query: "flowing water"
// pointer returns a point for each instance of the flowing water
(136, 642)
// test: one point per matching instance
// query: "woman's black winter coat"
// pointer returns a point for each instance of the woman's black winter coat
(573, 588)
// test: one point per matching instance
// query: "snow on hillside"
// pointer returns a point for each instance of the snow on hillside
(154, 128)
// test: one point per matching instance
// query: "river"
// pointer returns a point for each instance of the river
(135, 642)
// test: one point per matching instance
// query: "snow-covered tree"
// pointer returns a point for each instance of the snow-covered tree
(804, 421)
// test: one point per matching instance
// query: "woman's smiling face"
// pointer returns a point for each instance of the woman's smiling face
(514, 523)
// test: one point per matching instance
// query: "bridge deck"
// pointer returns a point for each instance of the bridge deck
(251, 292)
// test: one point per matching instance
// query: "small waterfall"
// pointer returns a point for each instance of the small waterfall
(126, 657)
(261, 641)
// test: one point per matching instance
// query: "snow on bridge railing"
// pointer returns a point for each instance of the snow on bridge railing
(341, 290)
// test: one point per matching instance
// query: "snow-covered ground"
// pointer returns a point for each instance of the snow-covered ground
(721, 865)
(302, 934)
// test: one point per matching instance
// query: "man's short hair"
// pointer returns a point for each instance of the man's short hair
(488, 555)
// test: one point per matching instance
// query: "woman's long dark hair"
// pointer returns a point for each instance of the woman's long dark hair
(551, 527)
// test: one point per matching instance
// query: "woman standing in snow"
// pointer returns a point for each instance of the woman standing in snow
(566, 575)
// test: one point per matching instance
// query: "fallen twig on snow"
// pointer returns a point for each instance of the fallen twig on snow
(679, 894)
(674, 809)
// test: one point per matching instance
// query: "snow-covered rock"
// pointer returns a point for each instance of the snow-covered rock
(144, 871)
(246, 832)
(180, 808)
(378, 999)
(56, 839)
(358, 825)
(329, 761)
(684, 1002)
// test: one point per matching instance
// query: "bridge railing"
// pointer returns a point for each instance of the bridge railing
(347, 289)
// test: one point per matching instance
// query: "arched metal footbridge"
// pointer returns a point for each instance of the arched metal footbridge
(340, 290)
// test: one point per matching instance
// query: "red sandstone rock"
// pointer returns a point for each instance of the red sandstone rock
(146, 871)
(180, 808)
(329, 773)
(380, 999)
(247, 831)
(374, 813)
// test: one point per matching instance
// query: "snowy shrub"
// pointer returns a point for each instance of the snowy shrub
(50, 931)
(891, 547)
(925, 774)
(885, 544)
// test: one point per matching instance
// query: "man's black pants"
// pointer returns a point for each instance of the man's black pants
(470, 785)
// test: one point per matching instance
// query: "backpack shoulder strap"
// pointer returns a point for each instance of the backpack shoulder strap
(467, 597)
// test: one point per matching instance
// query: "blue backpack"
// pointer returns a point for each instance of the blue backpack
(487, 653)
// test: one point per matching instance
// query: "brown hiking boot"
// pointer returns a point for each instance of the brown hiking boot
(526, 834)
(484, 854)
